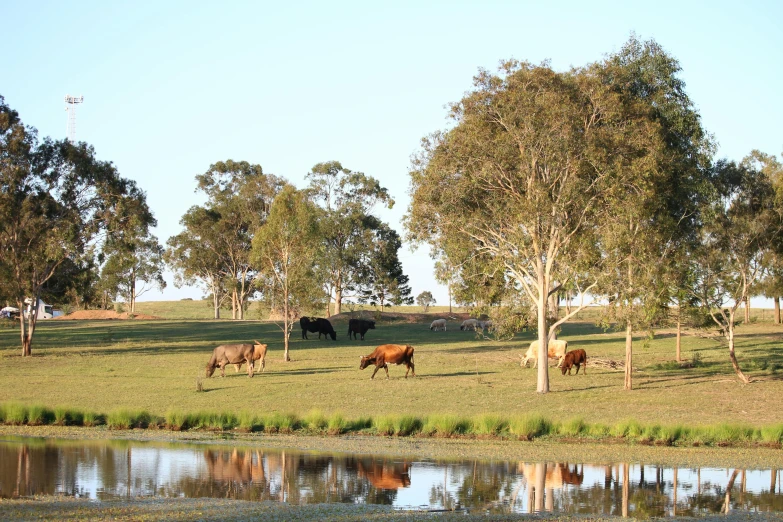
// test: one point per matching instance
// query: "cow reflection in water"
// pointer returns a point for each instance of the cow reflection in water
(548, 477)
(235, 466)
(383, 474)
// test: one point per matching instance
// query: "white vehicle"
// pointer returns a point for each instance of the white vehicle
(45, 311)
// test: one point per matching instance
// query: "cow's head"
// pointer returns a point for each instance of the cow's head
(210, 370)
(333, 335)
(565, 368)
(364, 362)
(371, 325)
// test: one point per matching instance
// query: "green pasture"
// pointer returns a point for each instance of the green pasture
(155, 365)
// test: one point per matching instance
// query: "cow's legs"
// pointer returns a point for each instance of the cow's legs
(410, 367)
(376, 371)
(386, 367)
(223, 369)
(237, 367)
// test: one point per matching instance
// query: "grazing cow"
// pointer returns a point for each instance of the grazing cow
(359, 326)
(556, 348)
(438, 324)
(317, 324)
(469, 324)
(574, 358)
(483, 325)
(237, 354)
(389, 354)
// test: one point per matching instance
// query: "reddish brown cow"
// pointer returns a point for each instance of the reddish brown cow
(574, 358)
(391, 354)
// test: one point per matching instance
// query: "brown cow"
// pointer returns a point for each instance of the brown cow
(385, 474)
(237, 354)
(391, 354)
(574, 358)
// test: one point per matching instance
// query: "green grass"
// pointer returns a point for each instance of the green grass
(100, 367)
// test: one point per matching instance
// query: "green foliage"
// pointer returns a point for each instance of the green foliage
(772, 434)
(445, 425)
(336, 424)
(15, 414)
(92, 419)
(573, 428)
(406, 425)
(425, 300)
(126, 419)
(281, 423)
(530, 426)
(315, 420)
(67, 416)
(383, 424)
(488, 424)
(176, 420)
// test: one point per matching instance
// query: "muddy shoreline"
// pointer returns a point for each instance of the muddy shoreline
(584, 451)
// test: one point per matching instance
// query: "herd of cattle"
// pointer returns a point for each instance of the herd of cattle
(239, 354)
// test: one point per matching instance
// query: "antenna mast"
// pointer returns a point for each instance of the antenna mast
(71, 102)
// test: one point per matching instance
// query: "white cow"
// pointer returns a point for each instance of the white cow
(438, 324)
(556, 349)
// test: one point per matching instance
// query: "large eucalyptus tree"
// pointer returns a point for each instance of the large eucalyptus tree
(57, 202)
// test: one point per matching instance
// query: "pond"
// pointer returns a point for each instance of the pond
(106, 470)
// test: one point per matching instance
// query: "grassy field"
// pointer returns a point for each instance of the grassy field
(106, 366)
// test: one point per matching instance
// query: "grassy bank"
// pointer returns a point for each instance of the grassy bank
(521, 427)
(105, 367)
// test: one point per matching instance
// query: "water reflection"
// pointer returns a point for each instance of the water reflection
(117, 469)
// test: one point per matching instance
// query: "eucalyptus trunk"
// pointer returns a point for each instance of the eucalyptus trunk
(732, 356)
(628, 383)
(542, 385)
(776, 300)
(747, 310)
(679, 337)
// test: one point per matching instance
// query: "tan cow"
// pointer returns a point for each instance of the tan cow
(237, 354)
(556, 349)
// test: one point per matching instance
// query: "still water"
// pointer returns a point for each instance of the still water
(120, 469)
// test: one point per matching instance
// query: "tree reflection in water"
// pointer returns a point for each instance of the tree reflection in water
(105, 470)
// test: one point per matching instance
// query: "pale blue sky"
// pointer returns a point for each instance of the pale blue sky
(171, 87)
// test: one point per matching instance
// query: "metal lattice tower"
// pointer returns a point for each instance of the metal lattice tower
(70, 107)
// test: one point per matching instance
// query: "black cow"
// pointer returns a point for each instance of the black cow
(359, 326)
(317, 324)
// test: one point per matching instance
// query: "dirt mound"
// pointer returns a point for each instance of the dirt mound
(102, 314)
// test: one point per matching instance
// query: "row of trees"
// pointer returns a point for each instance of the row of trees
(596, 182)
(72, 230)
(295, 250)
